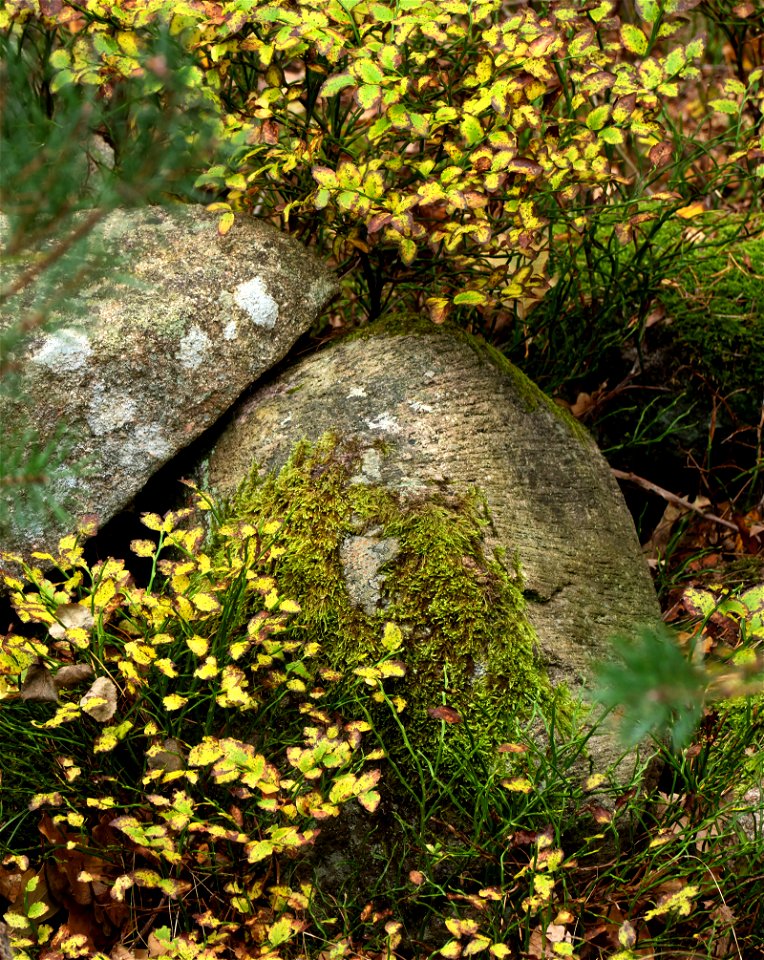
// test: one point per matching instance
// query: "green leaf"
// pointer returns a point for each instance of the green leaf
(368, 96)
(725, 106)
(675, 61)
(280, 931)
(648, 10)
(259, 850)
(611, 135)
(62, 79)
(633, 39)
(368, 72)
(470, 298)
(336, 83)
(598, 117)
(651, 73)
(471, 130)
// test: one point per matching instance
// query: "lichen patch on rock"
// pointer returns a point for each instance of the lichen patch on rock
(254, 299)
(153, 348)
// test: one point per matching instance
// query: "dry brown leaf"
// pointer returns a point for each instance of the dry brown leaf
(101, 700)
(38, 684)
(70, 616)
(72, 674)
(169, 757)
(447, 714)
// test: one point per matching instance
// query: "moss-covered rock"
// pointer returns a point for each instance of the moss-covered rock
(373, 571)
(424, 482)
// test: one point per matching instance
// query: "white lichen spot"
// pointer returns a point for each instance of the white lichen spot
(418, 407)
(230, 330)
(194, 348)
(109, 410)
(254, 299)
(64, 350)
(146, 440)
(371, 465)
(356, 392)
(384, 422)
(429, 375)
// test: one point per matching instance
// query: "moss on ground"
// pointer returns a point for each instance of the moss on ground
(467, 642)
(716, 306)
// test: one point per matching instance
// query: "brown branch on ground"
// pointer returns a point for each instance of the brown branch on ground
(672, 497)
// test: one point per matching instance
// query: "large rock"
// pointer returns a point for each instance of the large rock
(154, 348)
(411, 434)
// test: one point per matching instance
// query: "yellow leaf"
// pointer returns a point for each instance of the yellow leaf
(392, 638)
(197, 645)
(208, 669)
(452, 950)
(205, 602)
(693, 210)
(517, 785)
(174, 701)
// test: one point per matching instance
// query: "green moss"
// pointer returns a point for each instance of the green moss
(467, 641)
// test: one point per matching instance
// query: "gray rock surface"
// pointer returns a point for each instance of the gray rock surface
(437, 412)
(150, 352)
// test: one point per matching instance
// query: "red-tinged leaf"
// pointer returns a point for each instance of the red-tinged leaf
(661, 153)
(369, 800)
(462, 928)
(378, 221)
(438, 308)
(627, 935)
(446, 714)
(512, 748)
(324, 176)
(600, 814)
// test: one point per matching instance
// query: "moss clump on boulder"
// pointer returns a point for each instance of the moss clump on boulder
(357, 556)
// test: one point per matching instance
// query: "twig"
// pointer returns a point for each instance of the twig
(50, 258)
(672, 498)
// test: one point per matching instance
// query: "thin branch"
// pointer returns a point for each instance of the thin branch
(672, 498)
(39, 266)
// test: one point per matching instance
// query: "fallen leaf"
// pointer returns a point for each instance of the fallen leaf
(71, 675)
(38, 684)
(169, 758)
(446, 714)
(70, 616)
(691, 210)
(101, 700)
(661, 153)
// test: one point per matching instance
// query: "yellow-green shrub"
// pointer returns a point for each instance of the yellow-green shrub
(201, 755)
(430, 142)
